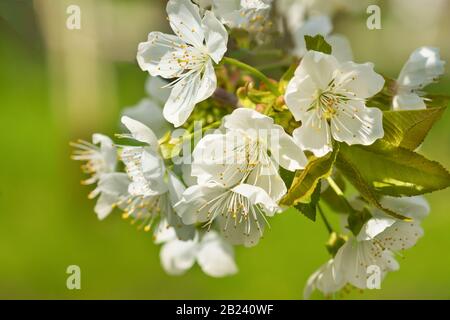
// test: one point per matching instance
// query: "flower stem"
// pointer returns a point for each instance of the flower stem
(324, 218)
(258, 74)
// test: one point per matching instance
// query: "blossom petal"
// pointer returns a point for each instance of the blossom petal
(178, 256)
(314, 135)
(196, 200)
(107, 149)
(300, 94)
(422, 68)
(257, 196)
(319, 66)
(141, 132)
(208, 83)
(159, 55)
(359, 79)
(408, 101)
(182, 100)
(216, 36)
(323, 280)
(216, 256)
(184, 18)
(285, 151)
(245, 119)
(354, 123)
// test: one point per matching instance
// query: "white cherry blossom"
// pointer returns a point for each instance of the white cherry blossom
(423, 67)
(153, 189)
(187, 56)
(328, 97)
(376, 245)
(249, 151)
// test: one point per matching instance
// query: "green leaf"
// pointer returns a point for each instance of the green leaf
(310, 209)
(436, 100)
(409, 128)
(317, 43)
(305, 181)
(384, 169)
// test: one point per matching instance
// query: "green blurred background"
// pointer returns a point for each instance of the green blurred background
(57, 85)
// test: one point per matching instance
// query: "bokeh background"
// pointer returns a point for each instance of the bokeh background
(57, 85)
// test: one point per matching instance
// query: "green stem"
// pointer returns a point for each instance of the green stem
(335, 187)
(325, 220)
(258, 74)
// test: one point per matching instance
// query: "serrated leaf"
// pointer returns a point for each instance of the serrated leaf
(309, 210)
(384, 169)
(350, 170)
(305, 181)
(409, 128)
(317, 43)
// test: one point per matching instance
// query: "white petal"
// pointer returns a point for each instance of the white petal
(300, 94)
(323, 280)
(195, 202)
(245, 233)
(164, 233)
(423, 67)
(149, 113)
(247, 119)
(218, 157)
(374, 227)
(354, 123)
(340, 47)
(416, 207)
(176, 187)
(146, 169)
(208, 83)
(107, 149)
(286, 152)
(216, 256)
(184, 17)
(105, 205)
(408, 101)
(266, 176)
(178, 256)
(216, 36)
(316, 25)
(141, 132)
(257, 196)
(319, 66)
(314, 135)
(182, 100)
(188, 178)
(115, 183)
(400, 236)
(359, 79)
(156, 90)
(159, 55)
